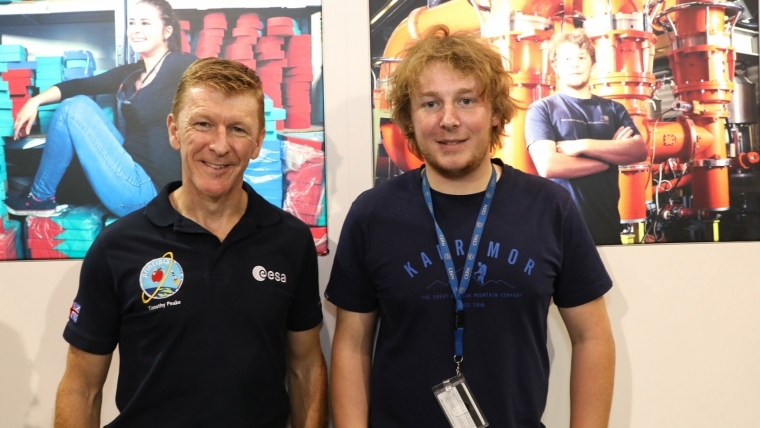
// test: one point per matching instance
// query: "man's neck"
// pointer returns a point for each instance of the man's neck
(216, 216)
(475, 182)
(582, 93)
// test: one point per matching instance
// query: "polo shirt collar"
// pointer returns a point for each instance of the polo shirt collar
(258, 213)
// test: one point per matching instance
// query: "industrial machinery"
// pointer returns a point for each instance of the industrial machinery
(701, 181)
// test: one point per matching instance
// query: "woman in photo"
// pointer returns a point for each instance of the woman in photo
(124, 171)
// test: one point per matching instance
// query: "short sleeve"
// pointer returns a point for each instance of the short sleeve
(538, 125)
(625, 118)
(306, 310)
(583, 277)
(94, 319)
(350, 286)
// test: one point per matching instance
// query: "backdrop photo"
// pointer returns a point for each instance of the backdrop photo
(685, 72)
(84, 46)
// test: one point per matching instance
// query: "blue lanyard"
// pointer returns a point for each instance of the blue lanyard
(459, 288)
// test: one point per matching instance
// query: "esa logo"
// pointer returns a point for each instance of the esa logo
(260, 273)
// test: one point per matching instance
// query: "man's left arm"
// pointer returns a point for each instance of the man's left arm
(592, 373)
(624, 148)
(307, 379)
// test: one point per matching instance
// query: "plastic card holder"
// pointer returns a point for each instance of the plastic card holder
(458, 403)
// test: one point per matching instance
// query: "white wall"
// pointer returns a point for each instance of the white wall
(684, 316)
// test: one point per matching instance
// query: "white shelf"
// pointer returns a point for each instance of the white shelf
(58, 6)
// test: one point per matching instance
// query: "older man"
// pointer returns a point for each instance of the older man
(210, 292)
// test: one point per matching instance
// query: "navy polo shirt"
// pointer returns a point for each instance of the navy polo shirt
(201, 324)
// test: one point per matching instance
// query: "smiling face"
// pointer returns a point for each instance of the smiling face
(452, 122)
(146, 33)
(216, 135)
(573, 66)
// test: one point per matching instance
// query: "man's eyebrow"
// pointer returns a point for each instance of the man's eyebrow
(461, 91)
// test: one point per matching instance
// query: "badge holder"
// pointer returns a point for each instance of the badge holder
(458, 403)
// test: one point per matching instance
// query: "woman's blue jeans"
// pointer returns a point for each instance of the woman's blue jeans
(80, 126)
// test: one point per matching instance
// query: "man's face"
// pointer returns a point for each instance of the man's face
(216, 135)
(573, 66)
(452, 121)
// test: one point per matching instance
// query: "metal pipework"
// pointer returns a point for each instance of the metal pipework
(703, 61)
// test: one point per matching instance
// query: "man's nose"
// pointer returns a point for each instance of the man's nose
(219, 144)
(450, 118)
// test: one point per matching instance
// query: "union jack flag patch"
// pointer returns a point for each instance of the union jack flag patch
(74, 311)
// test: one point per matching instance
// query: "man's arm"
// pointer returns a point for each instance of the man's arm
(351, 364)
(592, 374)
(551, 164)
(80, 393)
(307, 379)
(623, 149)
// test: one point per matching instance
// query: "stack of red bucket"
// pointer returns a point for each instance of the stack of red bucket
(211, 37)
(246, 34)
(271, 60)
(297, 82)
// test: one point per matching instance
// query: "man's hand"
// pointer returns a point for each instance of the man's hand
(623, 133)
(572, 147)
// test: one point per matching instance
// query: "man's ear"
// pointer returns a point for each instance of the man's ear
(258, 143)
(171, 126)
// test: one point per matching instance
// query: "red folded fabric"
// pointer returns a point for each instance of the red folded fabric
(252, 39)
(297, 109)
(267, 47)
(272, 39)
(267, 56)
(276, 21)
(238, 51)
(213, 32)
(17, 73)
(250, 20)
(282, 63)
(215, 20)
(295, 71)
(295, 86)
(298, 78)
(245, 31)
(280, 30)
(250, 63)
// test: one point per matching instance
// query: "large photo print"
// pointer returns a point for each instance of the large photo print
(85, 90)
(645, 111)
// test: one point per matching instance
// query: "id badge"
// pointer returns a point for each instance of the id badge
(458, 403)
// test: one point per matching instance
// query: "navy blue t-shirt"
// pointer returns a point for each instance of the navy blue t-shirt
(534, 248)
(560, 118)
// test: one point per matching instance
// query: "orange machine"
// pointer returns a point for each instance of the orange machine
(517, 28)
(692, 149)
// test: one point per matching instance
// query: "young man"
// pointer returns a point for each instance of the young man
(577, 139)
(451, 98)
(210, 292)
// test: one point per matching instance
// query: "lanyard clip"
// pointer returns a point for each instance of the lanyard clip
(458, 319)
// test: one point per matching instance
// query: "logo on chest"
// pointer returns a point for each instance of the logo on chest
(160, 278)
(260, 273)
